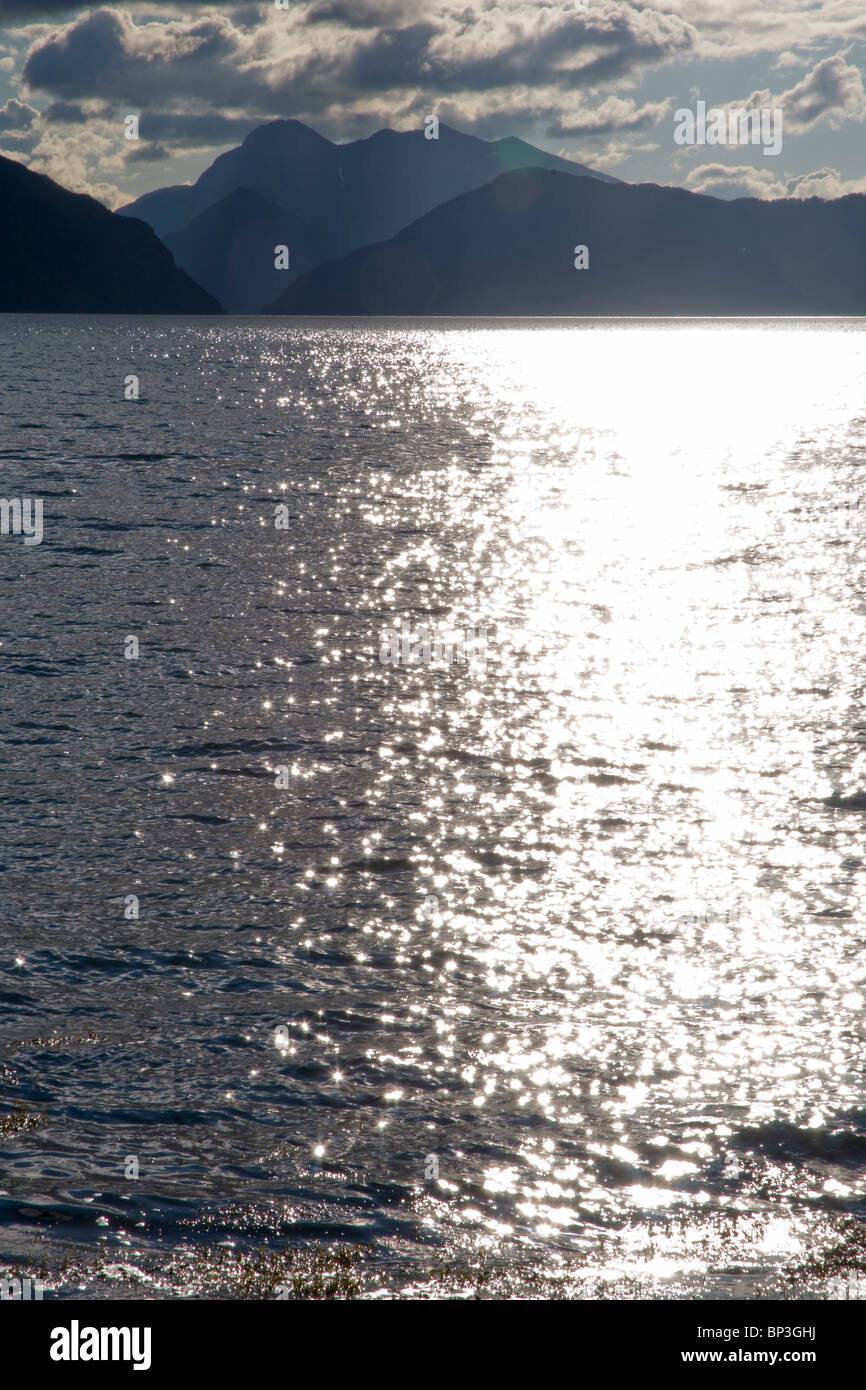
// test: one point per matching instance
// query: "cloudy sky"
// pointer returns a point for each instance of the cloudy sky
(597, 80)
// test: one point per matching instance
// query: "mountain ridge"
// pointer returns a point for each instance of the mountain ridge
(508, 248)
(63, 252)
(338, 197)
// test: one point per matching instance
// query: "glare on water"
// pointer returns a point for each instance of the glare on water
(580, 919)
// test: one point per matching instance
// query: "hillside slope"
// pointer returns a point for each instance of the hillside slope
(63, 252)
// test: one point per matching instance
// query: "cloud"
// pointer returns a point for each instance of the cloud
(69, 162)
(201, 79)
(180, 129)
(615, 152)
(17, 115)
(144, 153)
(201, 76)
(17, 122)
(824, 183)
(294, 62)
(196, 131)
(20, 144)
(742, 181)
(734, 181)
(615, 115)
(728, 29)
(832, 91)
(21, 11)
(356, 14)
(516, 42)
(105, 54)
(833, 88)
(67, 113)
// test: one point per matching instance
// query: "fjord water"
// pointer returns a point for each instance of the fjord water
(583, 922)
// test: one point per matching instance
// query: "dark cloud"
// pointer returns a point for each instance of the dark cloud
(354, 14)
(246, 16)
(27, 11)
(489, 50)
(70, 113)
(394, 58)
(177, 128)
(103, 54)
(317, 73)
(23, 11)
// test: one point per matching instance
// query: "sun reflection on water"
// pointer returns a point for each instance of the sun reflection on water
(662, 721)
(581, 920)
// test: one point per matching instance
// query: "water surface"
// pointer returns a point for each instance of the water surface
(578, 927)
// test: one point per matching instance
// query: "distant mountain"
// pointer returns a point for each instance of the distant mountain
(334, 198)
(509, 248)
(231, 246)
(63, 252)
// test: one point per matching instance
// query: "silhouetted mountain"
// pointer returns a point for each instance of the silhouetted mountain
(63, 252)
(339, 197)
(509, 248)
(283, 160)
(230, 248)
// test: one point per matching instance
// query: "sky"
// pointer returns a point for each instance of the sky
(597, 80)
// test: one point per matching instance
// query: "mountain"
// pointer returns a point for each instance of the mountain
(64, 253)
(231, 247)
(509, 248)
(282, 160)
(335, 197)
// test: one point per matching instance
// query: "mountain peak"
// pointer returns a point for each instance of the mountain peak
(283, 131)
(514, 153)
(446, 132)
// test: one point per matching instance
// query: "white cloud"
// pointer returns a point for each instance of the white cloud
(832, 91)
(17, 115)
(615, 115)
(824, 183)
(734, 181)
(729, 29)
(743, 181)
